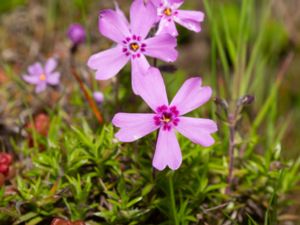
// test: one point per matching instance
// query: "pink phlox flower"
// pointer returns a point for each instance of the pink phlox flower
(131, 41)
(42, 76)
(168, 118)
(168, 13)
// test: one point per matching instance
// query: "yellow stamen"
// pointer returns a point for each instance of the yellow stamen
(168, 12)
(166, 119)
(134, 47)
(42, 77)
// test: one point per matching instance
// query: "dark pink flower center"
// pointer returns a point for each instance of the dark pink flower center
(166, 117)
(133, 46)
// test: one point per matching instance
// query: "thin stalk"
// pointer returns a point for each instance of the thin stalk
(86, 94)
(231, 119)
(116, 92)
(155, 62)
(173, 202)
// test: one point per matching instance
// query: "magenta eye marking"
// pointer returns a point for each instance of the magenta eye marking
(133, 46)
(166, 117)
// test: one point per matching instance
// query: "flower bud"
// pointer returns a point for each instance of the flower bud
(76, 33)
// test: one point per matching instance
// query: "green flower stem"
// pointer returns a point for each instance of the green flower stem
(173, 203)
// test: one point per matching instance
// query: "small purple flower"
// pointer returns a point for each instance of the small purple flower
(168, 13)
(168, 118)
(98, 96)
(132, 44)
(42, 76)
(76, 34)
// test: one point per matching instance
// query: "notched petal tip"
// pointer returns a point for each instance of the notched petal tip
(115, 120)
(118, 136)
(163, 166)
(209, 142)
(208, 90)
(159, 167)
(214, 128)
(104, 12)
(196, 79)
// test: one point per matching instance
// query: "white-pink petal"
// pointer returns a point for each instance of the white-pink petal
(197, 130)
(142, 17)
(167, 152)
(112, 25)
(191, 95)
(139, 66)
(32, 79)
(191, 15)
(121, 14)
(162, 46)
(40, 87)
(176, 3)
(133, 126)
(108, 63)
(190, 19)
(35, 69)
(166, 26)
(53, 78)
(152, 89)
(156, 2)
(50, 65)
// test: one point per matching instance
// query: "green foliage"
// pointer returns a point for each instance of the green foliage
(90, 176)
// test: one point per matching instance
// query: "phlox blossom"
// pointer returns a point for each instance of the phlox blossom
(168, 13)
(42, 76)
(131, 41)
(167, 118)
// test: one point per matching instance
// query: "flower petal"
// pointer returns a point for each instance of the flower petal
(190, 19)
(162, 47)
(142, 17)
(166, 26)
(53, 78)
(113, 26)
(167, 152)
(50, 65)
(176, 3)
(152, 89)
(133, 126)
(31, 79)
(36, 69)
(40, 87)
(156, 3)
(191, 95)
(197, 130)
(108, 63)
(121, 14)
(139, 66)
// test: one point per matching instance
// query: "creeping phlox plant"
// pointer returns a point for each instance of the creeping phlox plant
(134, 44)
(61, 167)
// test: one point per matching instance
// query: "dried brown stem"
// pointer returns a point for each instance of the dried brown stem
(87, 96)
